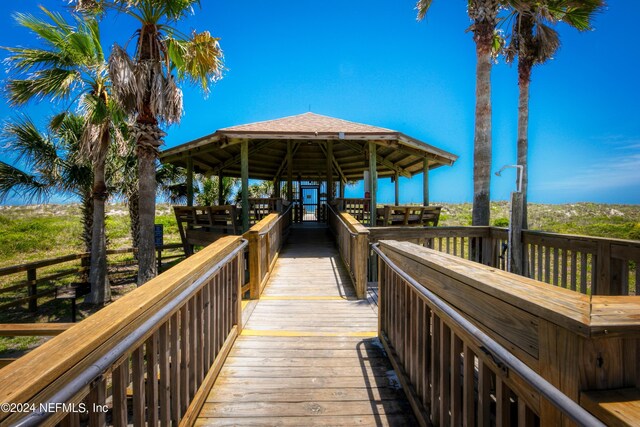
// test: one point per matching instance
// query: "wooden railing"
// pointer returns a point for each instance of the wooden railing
(154, 353)
(471, 343)
(590, 265)
(353, 244)
(49, 274)
(586, 264)
(265, 241)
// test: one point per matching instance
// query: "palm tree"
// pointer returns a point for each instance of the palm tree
(72, 62)
(53, 162)
(533, 41)
(210, 194)
(484, 17)
(146, 88)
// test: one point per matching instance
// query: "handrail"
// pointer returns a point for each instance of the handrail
(353, 247)
(94, 371)
(261, 260)
(585, 264)
(347, 226)
(570, 408)
(166, 341)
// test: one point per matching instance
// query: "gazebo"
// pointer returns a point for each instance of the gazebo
(306, 154)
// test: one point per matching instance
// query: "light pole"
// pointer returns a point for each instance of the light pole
(514, 243)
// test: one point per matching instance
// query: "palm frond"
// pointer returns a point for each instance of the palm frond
(16, 181)
(22, 137)
(53, 83)
(199, 59)
(122, 72)
(423, 7)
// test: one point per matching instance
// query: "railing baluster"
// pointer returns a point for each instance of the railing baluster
(445, 368)
(539, 277)
(574, 270)
(565, 269)
(120, 381)
(164, 388)
(435, 369)
(184, 358)
(176, 363)
(469, 388)
(96, 400)
(137, 377)
(503, 403)
(151, 347)
(484, 394)
(200, 346)
(583, 272)
(456, 380)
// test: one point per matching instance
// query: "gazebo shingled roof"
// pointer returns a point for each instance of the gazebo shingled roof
(309, 134)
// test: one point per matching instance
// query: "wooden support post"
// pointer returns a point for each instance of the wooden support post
(255, 273)
(221, 200)
(276, 187)
(373, 177)
(244, 171)
(397, 188)
(342, 185)
(289, 171)
(514, 260)
(329, 171)
(189, 181)
(33, 290)
(425, 182)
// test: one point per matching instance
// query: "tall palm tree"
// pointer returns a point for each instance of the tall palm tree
(534, 41)
(71, 63)
(145, 85)
(484, 17)
(53, 164)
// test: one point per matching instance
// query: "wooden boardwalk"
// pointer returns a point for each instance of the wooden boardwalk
(308, 354)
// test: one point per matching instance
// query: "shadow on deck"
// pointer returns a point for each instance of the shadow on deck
(309, 352)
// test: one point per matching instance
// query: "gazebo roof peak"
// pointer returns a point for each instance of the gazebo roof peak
(307, 123)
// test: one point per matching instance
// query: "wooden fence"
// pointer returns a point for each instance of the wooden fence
(590, 265)
(265, 242)
(160, 347)
(473, 344)
(352, 239)
(49, 274)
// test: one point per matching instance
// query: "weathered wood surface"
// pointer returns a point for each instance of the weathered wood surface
(618, 407)
(308, 354)
(576, 342)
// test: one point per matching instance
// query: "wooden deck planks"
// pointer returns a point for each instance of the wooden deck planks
(299, 360)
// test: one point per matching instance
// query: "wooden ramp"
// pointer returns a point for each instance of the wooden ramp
(308, 354)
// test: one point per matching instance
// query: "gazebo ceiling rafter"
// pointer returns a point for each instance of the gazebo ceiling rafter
(334, 164)
(356, 147)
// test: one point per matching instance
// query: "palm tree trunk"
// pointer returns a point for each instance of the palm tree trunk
(483, 36)
(524, 80)
(86, 208)
(149, 138)
(100, 289)
(133, 202)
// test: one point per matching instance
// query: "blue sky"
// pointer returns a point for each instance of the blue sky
(372, 62)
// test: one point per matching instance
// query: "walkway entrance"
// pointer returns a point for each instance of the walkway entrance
(310, 202)
(309, 352)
